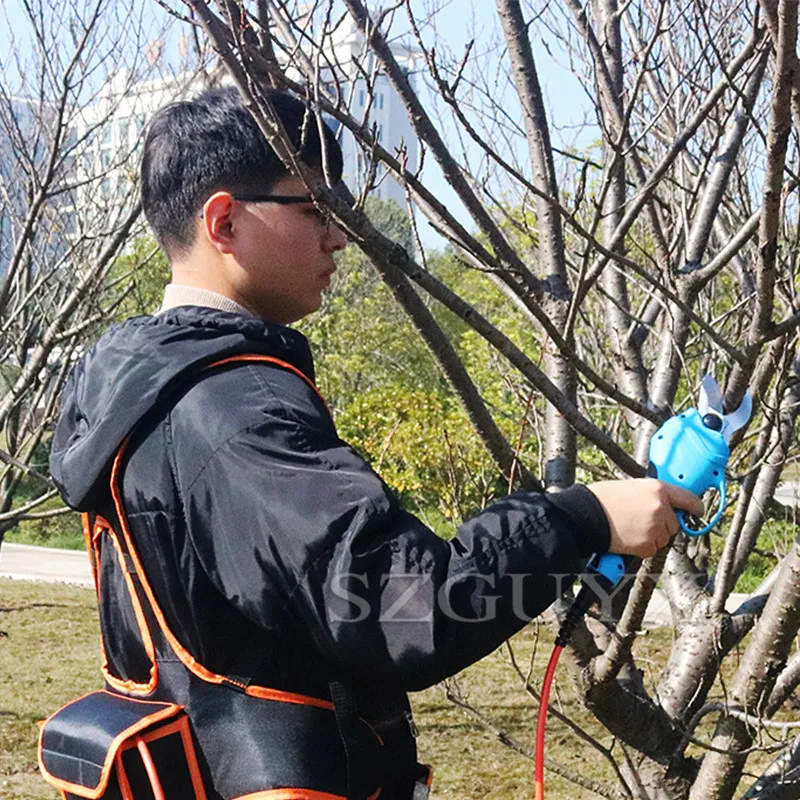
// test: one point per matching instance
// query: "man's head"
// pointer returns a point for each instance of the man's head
(215, 194)
(212, 143)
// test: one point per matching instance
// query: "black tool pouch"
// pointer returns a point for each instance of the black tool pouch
(107, 746)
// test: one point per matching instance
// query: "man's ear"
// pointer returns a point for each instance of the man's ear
(217, 221)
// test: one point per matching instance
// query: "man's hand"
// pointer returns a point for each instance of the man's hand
(641, 513)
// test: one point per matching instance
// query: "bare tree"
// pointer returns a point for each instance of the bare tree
(71, 122)
(664, 253)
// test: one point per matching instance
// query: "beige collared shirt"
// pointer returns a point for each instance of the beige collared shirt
(175, 294)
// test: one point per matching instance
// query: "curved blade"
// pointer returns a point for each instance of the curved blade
(710, 396)
(737, 419)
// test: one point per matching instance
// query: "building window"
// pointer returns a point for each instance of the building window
(380, 101)
(106, 189)
(69, 222)
(69, 166)
(361, 98)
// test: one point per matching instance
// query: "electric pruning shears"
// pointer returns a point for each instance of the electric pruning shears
(690, 450)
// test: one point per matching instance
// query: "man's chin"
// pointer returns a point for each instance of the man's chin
(307, 310)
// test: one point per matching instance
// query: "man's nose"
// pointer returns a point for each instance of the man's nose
(336, 238)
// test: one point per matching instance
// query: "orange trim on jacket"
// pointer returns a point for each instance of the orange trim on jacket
(188, 660)
(272, 360)
(101, 526)
(87, 538)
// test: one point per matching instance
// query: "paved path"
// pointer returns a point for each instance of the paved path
(72, 566)
(788, 494)
(44, 564)
(24, 562)
(658, 612)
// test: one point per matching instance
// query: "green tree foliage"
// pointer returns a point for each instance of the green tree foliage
(388, 396)
(137, 279)
(134, 286)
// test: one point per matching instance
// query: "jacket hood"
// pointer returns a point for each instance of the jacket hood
(132, 370)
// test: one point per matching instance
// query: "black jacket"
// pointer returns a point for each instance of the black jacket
(264, 533)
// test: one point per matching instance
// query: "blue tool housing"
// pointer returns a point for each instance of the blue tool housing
(686, 452)
(608, 566)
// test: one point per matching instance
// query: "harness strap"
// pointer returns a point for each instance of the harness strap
(346, 711)
(343, 702)
(393, 722)
(132, 557)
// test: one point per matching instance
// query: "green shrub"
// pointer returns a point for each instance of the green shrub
(64, 530)
(774, 542)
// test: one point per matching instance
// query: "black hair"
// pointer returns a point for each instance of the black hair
(212, 143)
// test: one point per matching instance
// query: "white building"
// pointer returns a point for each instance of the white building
(383, 110)
(122, 109)
(113, 127)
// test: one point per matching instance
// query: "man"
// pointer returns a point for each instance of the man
(278, 590)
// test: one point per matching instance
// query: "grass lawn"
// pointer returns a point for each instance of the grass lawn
(49, 655)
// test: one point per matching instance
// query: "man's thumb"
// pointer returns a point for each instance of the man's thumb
(684, 499)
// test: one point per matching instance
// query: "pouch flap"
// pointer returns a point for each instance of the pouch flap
(78, 744)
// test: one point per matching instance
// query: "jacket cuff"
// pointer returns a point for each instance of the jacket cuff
(589, 522)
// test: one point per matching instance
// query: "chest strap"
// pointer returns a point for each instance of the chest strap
(131, 557)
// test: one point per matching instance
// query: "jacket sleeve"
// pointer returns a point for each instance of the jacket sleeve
(292, 524)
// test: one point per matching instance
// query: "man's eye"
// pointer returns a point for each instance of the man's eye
(316, 214)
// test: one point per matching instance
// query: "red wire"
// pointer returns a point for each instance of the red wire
(541, 721)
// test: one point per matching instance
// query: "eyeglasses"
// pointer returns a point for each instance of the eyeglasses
(280, 199)
(286, 200)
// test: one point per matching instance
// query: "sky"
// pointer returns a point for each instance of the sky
(459, 21)
(456, 23)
